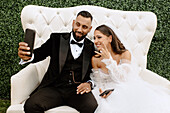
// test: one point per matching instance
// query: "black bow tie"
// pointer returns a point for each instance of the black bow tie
(79, 44)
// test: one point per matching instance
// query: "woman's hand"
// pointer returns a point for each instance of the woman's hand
(105, 95)
(104, 52)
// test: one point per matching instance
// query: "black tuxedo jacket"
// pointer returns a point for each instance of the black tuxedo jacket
(57, 47)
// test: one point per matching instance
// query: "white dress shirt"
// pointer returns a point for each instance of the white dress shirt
(75, 49)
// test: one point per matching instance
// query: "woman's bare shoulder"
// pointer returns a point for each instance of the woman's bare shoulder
(126, 55)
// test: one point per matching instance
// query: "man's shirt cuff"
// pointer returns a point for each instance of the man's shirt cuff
(22, 62)
(92, 84)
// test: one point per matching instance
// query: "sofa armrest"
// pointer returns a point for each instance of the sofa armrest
(155, 79)
(23, 83)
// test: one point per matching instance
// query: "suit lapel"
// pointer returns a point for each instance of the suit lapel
(86, 58)
(64, 46)
(63, 51)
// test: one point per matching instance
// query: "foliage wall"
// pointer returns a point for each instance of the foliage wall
(11, 32)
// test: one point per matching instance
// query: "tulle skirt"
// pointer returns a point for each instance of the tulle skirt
(134, 96)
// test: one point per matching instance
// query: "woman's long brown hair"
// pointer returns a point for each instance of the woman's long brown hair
(116, 44)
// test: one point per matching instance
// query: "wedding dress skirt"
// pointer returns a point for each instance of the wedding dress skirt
(131, 94)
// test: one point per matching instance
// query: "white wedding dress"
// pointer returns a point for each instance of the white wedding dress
(131, 94)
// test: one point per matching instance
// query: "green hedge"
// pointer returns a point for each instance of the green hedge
(4, 104)
(11, 32)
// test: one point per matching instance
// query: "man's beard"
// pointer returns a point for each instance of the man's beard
(78, 38)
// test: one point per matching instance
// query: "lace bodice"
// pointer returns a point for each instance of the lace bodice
(101, 79)
(116, 73)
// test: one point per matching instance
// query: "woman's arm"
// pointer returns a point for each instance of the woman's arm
(119, 72)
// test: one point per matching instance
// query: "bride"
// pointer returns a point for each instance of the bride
(114, 70)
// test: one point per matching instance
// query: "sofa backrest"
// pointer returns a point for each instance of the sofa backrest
(136, 28)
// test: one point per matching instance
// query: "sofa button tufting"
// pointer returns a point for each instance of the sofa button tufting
(139, 41)
(30, 21)
(124, 16)
(132, 28)
(74, 13)
(140, 16)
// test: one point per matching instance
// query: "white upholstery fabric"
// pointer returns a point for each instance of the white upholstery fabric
(18, 108)
(136, 28)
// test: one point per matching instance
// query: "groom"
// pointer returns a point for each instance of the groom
(67, 80)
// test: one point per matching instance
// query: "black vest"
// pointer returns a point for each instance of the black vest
(72, 71)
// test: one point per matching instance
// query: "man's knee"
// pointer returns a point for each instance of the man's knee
(31, 106)
(92, 107)
(89, 108)
(27, 105)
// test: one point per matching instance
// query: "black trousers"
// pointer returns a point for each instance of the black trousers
(50, 97)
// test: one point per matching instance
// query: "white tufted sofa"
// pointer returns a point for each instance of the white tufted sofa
(136, 29)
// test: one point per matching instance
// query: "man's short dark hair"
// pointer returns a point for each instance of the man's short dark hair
(85, 14)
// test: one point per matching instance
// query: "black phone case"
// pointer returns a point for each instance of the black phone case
(106, 92)
(29, 39)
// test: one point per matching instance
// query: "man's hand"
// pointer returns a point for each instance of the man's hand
(22, 51)
(84, 88)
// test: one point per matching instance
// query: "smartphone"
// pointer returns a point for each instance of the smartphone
(106, 92)
(29, 39)
(97, 55)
